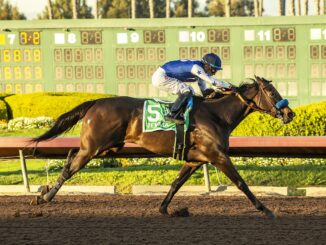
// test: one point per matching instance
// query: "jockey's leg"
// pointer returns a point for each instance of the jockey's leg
(176, 113)
(173, 86)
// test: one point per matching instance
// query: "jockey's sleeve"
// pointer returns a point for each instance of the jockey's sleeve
(202, 85)
(199, 72)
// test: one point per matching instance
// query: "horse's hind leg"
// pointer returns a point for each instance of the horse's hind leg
(75, 162)
(186, 171)
(71, 154)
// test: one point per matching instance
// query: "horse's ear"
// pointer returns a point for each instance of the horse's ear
(253, 80)
(258, 79)
(265, 80)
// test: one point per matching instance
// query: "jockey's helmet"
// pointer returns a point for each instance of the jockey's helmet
(213, 60)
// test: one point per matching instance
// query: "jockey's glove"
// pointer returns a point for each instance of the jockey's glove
(234, 89)
(207, 93)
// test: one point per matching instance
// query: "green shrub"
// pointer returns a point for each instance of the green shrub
(3, 111)
(310, 120)
(46, 104)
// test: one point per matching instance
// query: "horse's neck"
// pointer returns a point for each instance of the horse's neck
(231, 110)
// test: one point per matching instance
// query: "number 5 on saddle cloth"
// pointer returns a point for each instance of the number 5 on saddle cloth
(153, 120)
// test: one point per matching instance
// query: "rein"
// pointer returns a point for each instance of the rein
(250, 105)
(274, 109)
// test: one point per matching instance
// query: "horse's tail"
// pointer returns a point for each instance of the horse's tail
(65, 122)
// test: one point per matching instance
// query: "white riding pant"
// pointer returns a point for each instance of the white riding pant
(169, 84)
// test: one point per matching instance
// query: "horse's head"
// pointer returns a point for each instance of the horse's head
(267, 99)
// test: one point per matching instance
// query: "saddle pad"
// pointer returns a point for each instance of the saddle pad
(153, 117)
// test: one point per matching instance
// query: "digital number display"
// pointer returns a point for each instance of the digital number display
(19, 88)
(30, 38)
(218, 35)
(91, 37)
(78, 63)
(198, 53)
(135, 71)
(317, 51)
(140, 54)
(79, 72)
(284, 34)
(270, 52)
(21, 73)
(80, 87)
(154, 36)
(20, 55)
(78, 55)
(323, 51)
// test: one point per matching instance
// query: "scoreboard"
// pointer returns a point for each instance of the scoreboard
(119, 56)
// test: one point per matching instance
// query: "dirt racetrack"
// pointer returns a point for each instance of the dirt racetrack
(135, 220)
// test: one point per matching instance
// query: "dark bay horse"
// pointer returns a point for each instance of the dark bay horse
(109, 123)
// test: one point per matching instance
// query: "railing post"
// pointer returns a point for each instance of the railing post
(24, 170)
(206, 177)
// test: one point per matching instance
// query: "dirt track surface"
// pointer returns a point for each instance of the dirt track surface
(135, 220)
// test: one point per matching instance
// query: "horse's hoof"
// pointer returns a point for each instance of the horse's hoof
(164, 211)
(44, 189)
(183, 212)
(37, 201)
(271, 215)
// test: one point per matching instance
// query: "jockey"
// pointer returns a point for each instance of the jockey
(171, 77)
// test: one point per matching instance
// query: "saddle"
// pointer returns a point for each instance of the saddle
(165, 102)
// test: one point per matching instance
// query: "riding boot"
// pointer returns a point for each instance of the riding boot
(176, 112)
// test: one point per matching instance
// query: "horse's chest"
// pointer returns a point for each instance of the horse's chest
(208, 138)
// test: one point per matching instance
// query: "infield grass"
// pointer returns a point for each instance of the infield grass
(124, 177)
(259, 172)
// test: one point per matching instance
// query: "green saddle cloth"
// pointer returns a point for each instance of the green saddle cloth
(153, 117)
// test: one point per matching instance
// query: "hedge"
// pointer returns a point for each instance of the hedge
(310, 120)
(46, 104)
(3, 107)
(3, 111)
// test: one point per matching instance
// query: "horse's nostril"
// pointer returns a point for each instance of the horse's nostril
(291, 114)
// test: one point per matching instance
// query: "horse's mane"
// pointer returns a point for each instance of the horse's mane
(246, 85)
(241, 88)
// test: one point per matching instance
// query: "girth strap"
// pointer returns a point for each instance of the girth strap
(179, 143)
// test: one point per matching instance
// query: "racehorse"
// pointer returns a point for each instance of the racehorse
(109, 123)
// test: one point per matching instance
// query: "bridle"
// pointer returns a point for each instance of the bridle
(274, 109)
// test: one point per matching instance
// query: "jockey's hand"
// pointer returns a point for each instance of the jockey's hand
(208, 93)
(234, 89)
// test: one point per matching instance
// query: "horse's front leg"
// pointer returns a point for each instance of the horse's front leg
(186, 171)
(223, 162)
